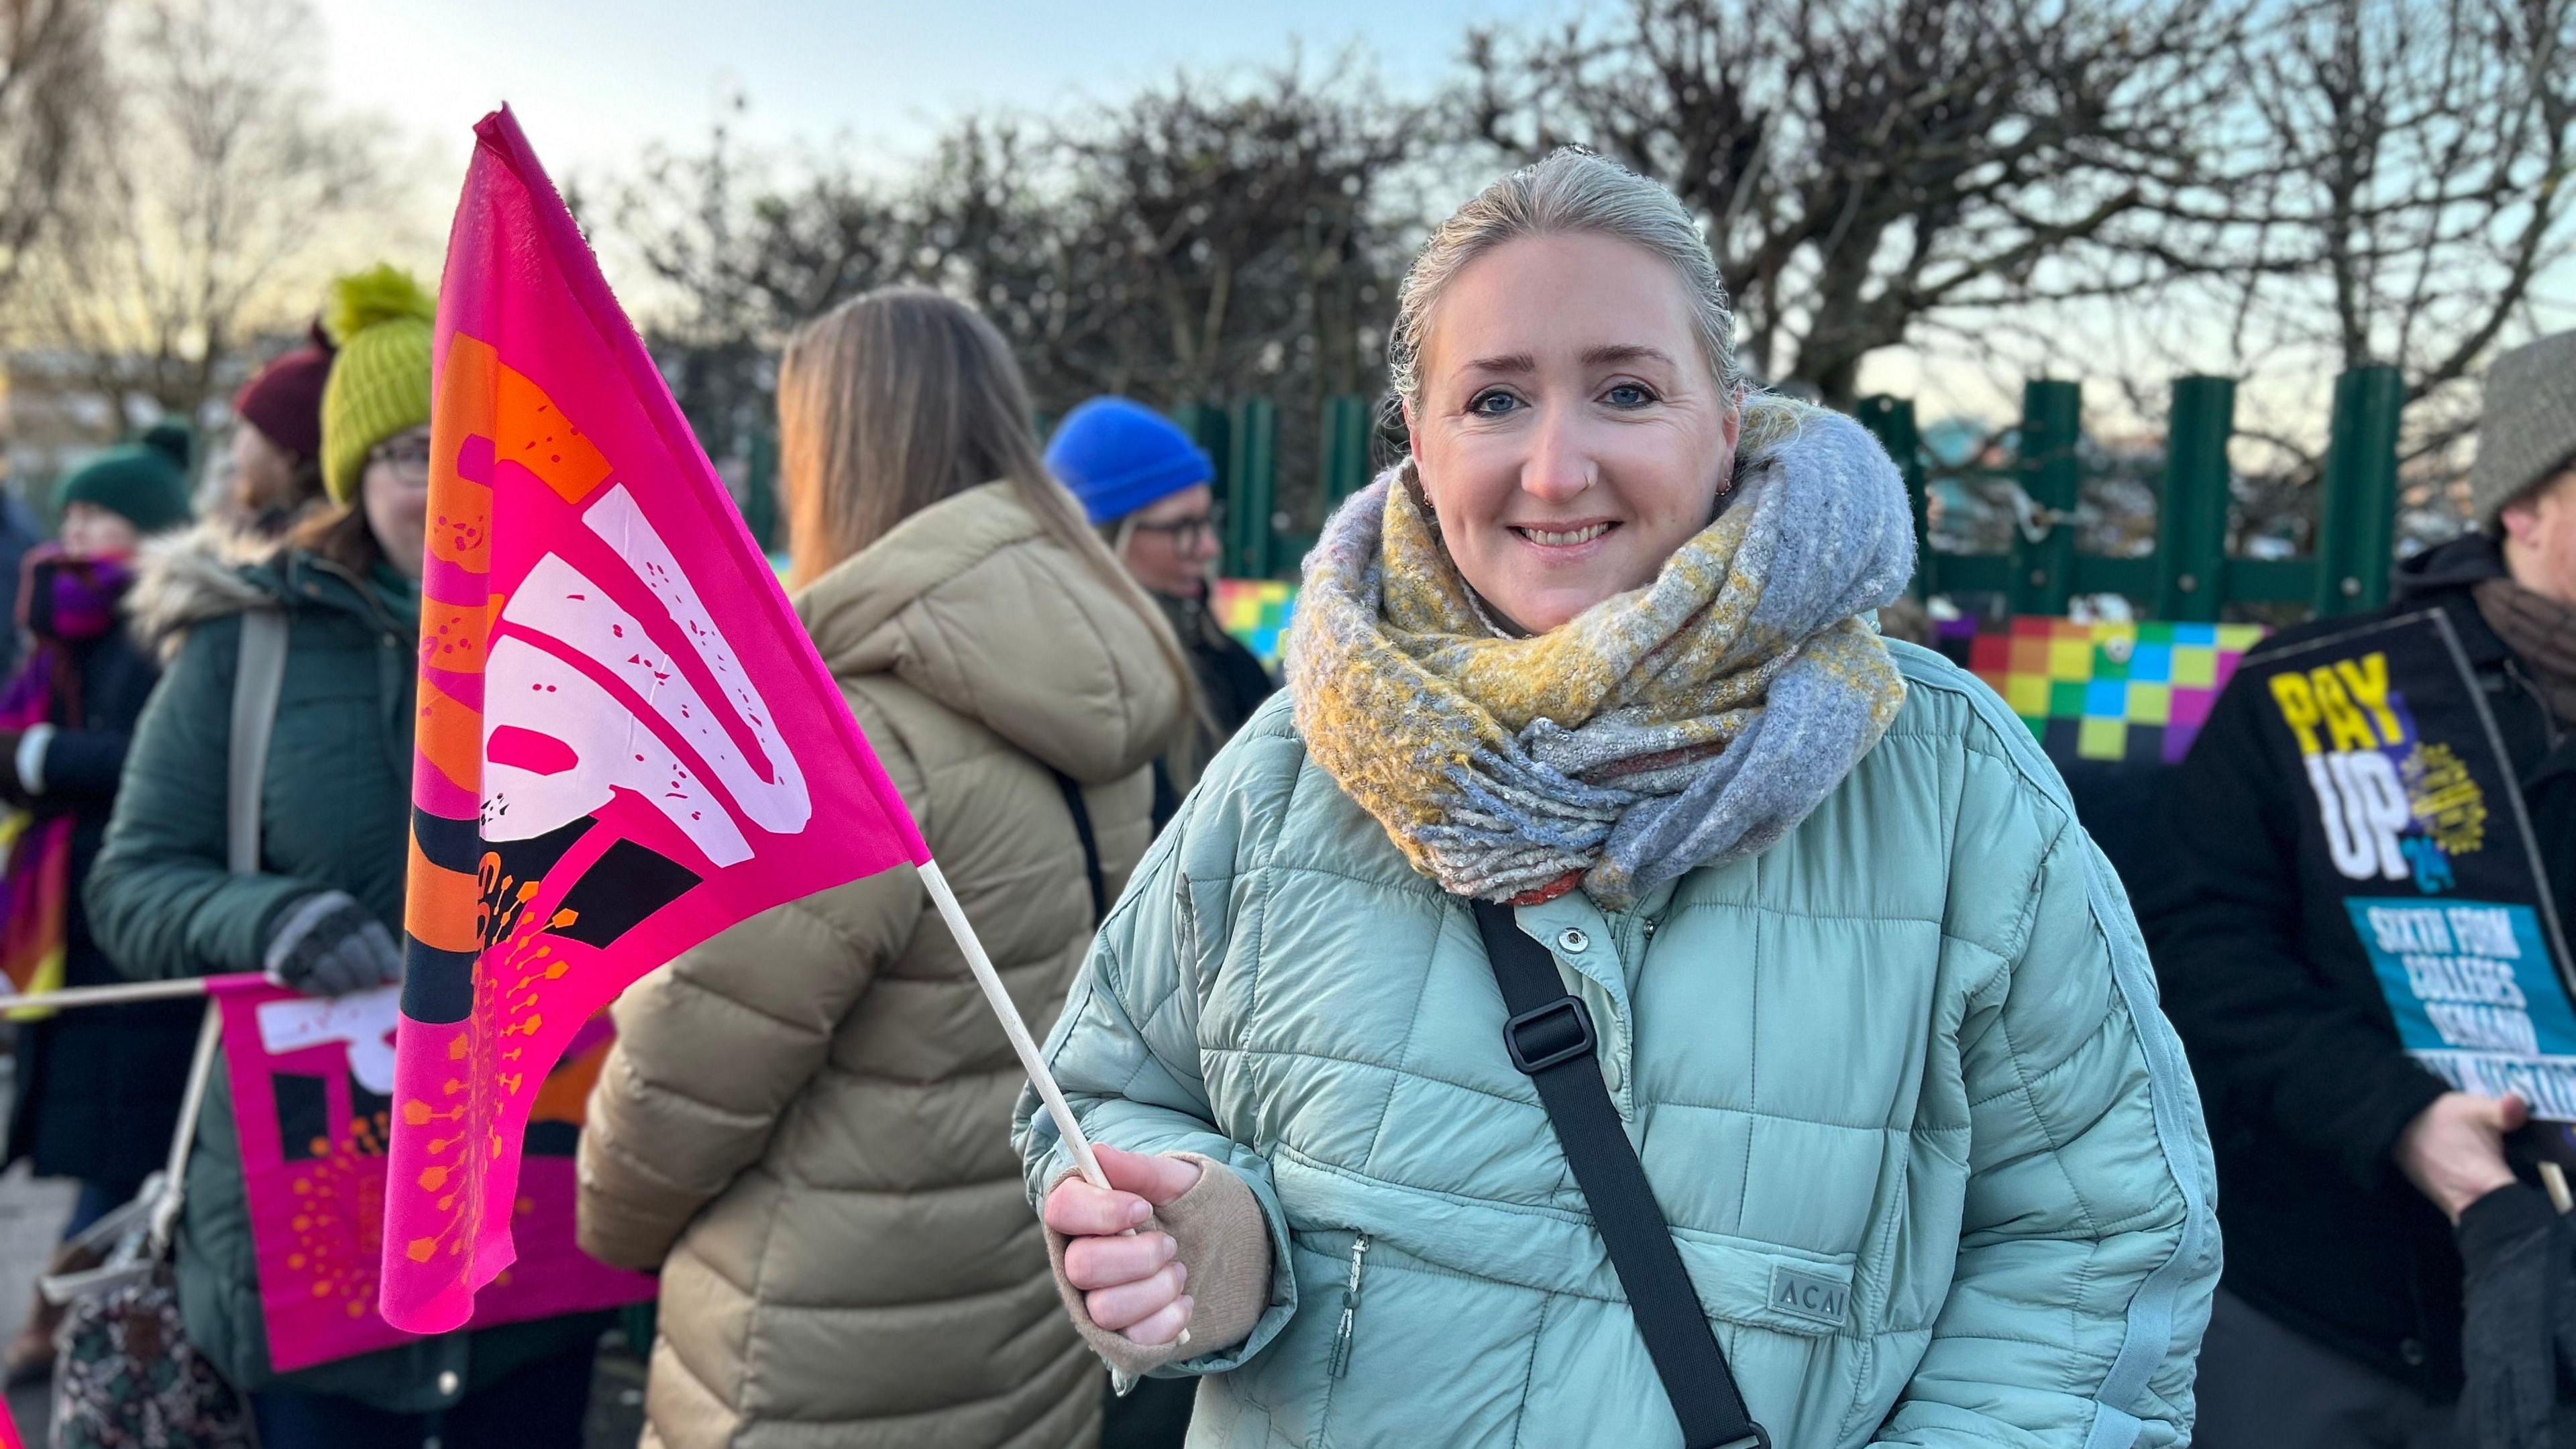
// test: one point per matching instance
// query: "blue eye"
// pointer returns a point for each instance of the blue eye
(1629, 395)
(1484, 404)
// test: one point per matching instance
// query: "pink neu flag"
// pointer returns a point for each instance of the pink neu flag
(625, 741)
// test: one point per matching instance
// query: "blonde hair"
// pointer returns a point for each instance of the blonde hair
(898, 399)
(1574, 192)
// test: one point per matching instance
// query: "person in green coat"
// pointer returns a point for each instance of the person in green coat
(323, 914)
(1869, 1004)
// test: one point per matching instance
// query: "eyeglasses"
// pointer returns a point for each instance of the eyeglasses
(403, 455)
(1188, 533)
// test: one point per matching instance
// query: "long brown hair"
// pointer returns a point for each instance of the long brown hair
(900, 398)
(340, 533)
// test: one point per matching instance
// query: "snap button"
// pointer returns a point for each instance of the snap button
(1572, 941)
(447, 1384)
(2412, 1352)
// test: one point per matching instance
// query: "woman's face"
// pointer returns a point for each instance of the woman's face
(263, 473)
(90, 531)
(1570, 434)
(395, 492)
(1171, 542)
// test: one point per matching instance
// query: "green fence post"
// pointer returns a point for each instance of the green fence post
(2043, 568)
(760, 491)
(2191, 517)
(1253, 485)
(1207, 425)
(2357, 516)
(1891, 421)
(1344, 454)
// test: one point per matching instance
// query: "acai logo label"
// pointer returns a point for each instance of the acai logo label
(1809, 1295)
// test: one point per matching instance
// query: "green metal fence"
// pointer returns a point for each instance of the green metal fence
(2190, 577)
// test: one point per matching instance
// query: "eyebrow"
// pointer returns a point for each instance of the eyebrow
(1625, 352)
(1607, 355)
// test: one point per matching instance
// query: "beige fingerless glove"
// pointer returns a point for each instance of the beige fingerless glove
(1220, 1236)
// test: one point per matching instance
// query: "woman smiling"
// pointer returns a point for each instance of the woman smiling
(1619, 999)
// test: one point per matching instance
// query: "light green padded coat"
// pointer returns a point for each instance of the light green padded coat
(1928, 1147)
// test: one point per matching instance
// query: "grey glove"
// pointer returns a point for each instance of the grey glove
(330, 946)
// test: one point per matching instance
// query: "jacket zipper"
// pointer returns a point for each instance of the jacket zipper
(1340, 1362)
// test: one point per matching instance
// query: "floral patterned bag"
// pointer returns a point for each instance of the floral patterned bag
(126, 1377)
(125, 1374)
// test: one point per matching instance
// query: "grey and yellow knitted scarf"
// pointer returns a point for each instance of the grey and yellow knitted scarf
(1689, 722)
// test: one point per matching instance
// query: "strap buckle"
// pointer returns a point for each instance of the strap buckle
(1760, 1438)
(1544, 1036)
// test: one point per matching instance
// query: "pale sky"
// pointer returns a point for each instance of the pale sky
(594, 81)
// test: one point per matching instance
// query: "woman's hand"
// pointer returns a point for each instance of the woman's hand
(1130, 1283)
(330, 946)
(2454, 1149)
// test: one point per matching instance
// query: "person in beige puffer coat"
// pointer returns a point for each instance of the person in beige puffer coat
(805, 1123)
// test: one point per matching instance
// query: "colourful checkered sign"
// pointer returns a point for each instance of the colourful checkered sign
(1255, 611)
(2136, 692)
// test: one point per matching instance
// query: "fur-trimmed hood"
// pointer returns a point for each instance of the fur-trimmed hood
(184, 579)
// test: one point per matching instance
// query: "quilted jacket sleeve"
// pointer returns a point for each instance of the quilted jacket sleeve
(160, 898)
(713, 1047)
(2088, 1251)
(1126, 1049)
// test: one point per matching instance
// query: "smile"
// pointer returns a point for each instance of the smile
(1582, 534)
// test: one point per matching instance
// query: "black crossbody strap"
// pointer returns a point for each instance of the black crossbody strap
(1081, 813)
(1550, 1038)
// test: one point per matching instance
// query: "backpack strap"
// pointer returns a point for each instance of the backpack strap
(1550, 1039)
(257, 680)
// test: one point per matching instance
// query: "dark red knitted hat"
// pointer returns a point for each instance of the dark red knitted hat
(284, 401)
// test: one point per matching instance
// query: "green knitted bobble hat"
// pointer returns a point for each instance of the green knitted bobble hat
(145, 482)
(379, 384)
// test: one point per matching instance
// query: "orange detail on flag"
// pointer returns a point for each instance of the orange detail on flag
(449, 735)
(532, 433)
(481, 396)
(453, 638)
(449, 900)
(461, 533)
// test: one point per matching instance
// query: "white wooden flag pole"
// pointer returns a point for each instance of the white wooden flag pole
(1012, 1027)
(73, 997)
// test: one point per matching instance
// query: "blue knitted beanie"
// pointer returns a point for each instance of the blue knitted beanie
(1118, 456)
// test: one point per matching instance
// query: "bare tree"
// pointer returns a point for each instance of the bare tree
(1245, 226)
(50, 94)
(2403, 197)
(1869, 170)
(740, 262)
(226, 173)
(1196, 242)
